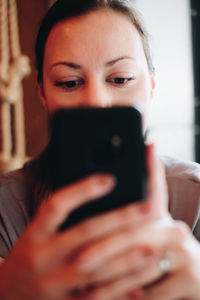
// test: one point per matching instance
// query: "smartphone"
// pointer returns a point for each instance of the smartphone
(85, 141)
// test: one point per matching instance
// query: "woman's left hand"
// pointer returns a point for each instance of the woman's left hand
(158, 259)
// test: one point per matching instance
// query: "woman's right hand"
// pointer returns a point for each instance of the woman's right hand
(41, 264)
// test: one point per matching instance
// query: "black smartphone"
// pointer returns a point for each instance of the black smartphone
(85, 141)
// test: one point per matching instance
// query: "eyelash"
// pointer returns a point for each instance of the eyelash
(66, 84)
(126, 80)
(72, 85)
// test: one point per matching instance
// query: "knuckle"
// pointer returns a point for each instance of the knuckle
(180, 231)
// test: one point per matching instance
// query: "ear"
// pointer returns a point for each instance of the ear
(41, 95)
(153, 84)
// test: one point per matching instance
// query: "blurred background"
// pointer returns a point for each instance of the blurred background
(172, 120)
(174, 123)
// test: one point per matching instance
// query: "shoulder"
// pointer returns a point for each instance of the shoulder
(15, 184)
(183, 180)
(16, 190)
(20, 175)
(181, 169)
(15, 187)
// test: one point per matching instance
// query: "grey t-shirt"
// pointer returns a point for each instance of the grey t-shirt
(16, 199)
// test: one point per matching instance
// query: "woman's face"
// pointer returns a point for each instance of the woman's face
(95, 60)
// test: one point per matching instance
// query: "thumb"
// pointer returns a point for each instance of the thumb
(157, 187)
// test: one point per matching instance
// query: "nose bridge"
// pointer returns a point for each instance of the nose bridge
(97, 94)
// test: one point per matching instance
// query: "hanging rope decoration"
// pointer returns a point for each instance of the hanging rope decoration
(13, 68)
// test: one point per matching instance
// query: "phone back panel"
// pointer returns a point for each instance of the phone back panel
(109, 140)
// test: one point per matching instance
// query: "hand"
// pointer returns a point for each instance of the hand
(126, 264)
(39, 266)
(44, 264)
(182, 279)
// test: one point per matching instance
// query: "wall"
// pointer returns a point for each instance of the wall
(171, 121)
(30, 13)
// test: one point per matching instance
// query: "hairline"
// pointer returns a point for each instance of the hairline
(133, 18)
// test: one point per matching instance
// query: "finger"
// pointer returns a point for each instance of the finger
(105, 249)
(181, 260)
(90, 231)
(157, 188)
(129, 263)
(178, 286)
(56, 209)
(123, 286)
(65, 281)
(47, 257)
(144, 264)
(58, 206)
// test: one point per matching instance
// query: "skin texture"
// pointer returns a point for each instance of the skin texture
(115, 51)
(115, 255)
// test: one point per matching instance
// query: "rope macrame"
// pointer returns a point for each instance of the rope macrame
(13, 68)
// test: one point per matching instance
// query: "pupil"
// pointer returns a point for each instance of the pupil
(119, 80)
(71, 84)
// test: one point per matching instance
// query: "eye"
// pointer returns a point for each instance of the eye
(120, 81)
(69, 85)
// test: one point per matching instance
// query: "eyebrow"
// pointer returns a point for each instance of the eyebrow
(114, 61)
(76, 66)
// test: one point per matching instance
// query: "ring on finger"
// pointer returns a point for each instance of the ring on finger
(165, 264)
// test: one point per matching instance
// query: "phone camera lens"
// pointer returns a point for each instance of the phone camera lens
(116, 141)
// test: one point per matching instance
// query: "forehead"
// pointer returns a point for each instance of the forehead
(103, 31)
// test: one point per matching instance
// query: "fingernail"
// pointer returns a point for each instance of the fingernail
(106, 180)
